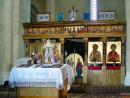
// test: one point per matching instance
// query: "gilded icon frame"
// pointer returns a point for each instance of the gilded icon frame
(118, 50)
(90, 49)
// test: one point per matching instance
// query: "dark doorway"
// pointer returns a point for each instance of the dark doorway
(75, 45)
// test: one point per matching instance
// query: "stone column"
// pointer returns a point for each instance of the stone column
(21, 13)
(127, 77)
(51, 9)
(25, 10)
(7, 39)
(16, 20)
(1, 39)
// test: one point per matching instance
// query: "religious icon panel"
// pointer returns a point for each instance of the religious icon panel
(113, 52)
(52, 51)
(76, 61)
(95, 51)
(46, 52)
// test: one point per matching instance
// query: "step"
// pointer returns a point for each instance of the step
(5, 94)
(7, 89)
(80, 87)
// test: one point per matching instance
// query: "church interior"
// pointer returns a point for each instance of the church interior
(63, 49)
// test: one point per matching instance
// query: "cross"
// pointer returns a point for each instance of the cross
(72, 14)
(73, 9)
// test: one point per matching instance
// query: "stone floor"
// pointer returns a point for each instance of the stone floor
(84, 95)
(74, 95)
(80, 92)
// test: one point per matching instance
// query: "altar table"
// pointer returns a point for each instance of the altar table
(40, 81)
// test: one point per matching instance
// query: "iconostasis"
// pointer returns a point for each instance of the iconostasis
(102, 54)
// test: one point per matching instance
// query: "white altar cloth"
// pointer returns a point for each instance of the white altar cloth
(40, 77)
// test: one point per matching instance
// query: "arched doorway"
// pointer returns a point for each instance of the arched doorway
(74, 51)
